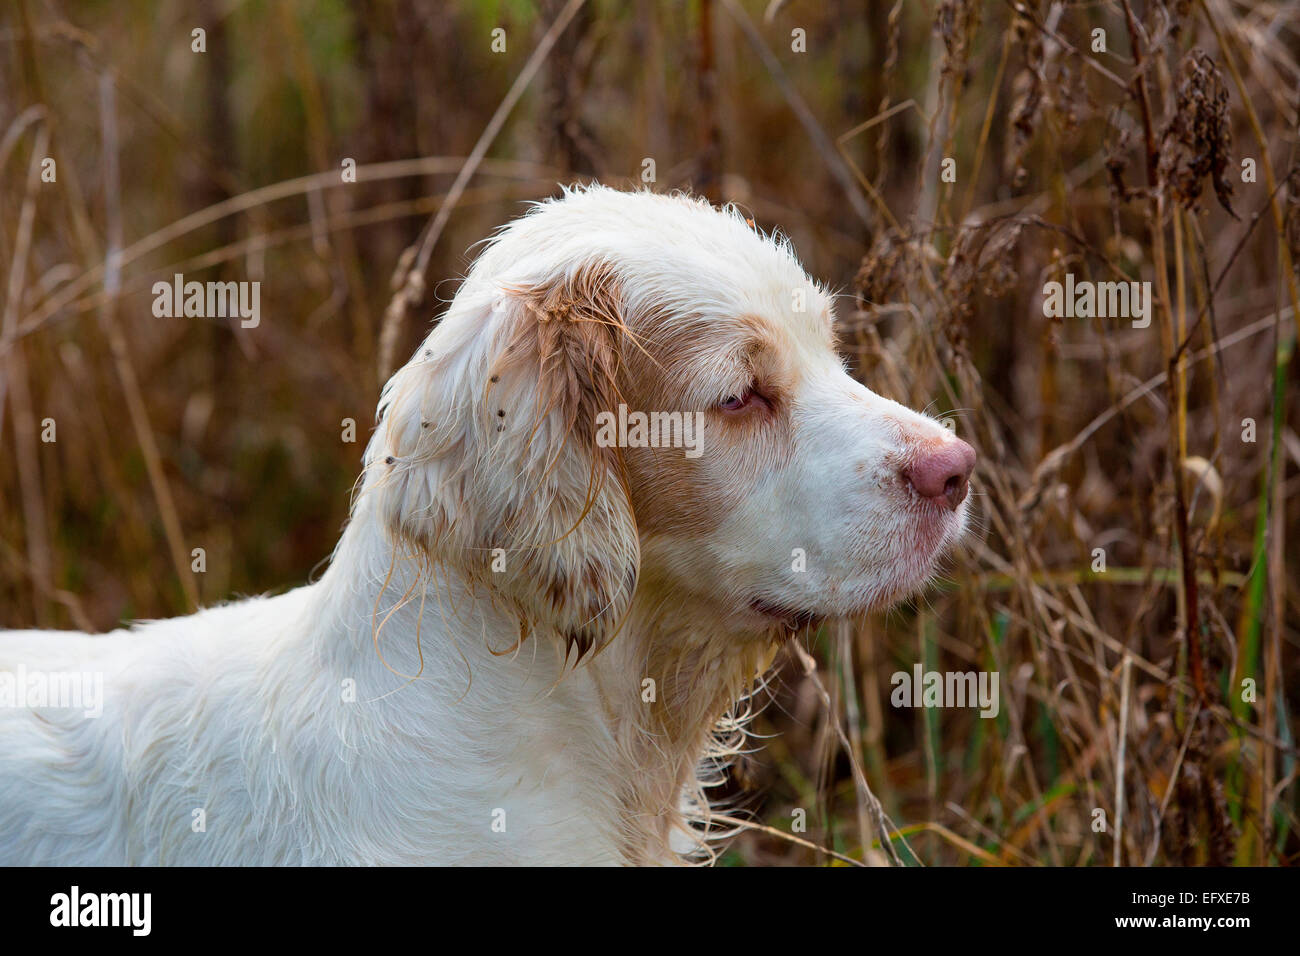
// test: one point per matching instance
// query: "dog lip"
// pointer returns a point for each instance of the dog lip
(933, 506)
(793, 618)
(933, 522)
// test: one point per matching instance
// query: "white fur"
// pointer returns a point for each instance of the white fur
(241, 711)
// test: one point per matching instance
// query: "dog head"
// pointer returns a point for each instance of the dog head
(633, 389)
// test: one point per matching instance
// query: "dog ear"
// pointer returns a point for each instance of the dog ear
(487, 460)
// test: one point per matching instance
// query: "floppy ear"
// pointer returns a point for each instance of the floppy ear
(487, 459)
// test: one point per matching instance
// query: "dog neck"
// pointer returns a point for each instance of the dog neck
(676, 702)
(630, 733)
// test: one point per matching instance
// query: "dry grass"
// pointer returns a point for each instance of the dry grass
(1121, 689)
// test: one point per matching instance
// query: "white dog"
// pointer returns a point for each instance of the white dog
(533, 622)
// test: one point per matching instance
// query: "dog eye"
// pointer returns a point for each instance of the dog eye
(744, 400)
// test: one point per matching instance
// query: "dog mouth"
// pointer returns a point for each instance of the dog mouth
(790, 618)
(883, 579)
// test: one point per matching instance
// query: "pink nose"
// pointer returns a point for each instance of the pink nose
(942, 474)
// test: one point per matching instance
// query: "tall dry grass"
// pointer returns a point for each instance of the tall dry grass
(1122, 701)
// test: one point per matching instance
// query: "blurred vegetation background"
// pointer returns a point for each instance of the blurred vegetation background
(1171, 451)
